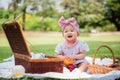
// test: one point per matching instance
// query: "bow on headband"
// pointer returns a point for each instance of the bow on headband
(71, 21)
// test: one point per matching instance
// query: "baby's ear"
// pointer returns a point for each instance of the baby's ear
(78, 34)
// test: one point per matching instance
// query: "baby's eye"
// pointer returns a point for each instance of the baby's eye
(66, 31)
(72, 30)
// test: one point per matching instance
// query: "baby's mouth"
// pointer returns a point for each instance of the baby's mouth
(69, 36)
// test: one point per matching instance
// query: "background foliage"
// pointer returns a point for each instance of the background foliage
(101, 15)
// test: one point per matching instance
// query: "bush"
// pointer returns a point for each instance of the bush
(88, 28)
(99, 29)
(109, 27)
(34, 22)
(1, 21)
(50, 24)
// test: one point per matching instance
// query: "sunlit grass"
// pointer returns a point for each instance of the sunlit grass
(46, 43)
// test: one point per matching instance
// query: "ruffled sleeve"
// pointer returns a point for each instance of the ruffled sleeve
(84, 46)
(58, 49)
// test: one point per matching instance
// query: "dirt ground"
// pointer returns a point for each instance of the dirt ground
(105, 34)
(37, 33)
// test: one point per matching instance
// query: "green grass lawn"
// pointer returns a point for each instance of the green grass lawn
(46, 42)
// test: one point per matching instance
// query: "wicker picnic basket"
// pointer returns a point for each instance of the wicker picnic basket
(102, 69)
(22, 54)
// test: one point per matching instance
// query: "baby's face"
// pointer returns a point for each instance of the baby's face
(70, 33)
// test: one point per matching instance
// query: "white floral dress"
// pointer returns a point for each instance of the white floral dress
(63, 49)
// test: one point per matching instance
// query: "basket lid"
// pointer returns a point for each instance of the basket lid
(16, 39)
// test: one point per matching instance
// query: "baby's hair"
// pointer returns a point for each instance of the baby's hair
(71, 21)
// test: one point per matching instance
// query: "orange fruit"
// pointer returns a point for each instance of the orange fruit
(68, 61)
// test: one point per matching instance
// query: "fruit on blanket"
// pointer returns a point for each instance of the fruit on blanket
(71, 67)
(18, 74)
(111, 66)
(68, 61)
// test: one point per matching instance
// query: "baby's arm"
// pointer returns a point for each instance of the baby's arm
(79, 56)
(61, 56)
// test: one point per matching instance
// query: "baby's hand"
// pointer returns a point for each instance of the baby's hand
(63, 57)
(68, 61)
(71, 57)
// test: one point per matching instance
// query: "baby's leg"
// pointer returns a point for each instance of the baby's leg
(83, 66)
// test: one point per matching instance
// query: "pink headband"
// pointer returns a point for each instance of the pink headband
(71, 21)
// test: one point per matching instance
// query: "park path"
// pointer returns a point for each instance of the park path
(48, 34)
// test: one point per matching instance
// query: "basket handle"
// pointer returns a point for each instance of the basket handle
(102, 47)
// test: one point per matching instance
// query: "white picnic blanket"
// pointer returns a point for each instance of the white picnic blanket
(7, 65)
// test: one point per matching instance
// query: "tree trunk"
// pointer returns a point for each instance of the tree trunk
(24, 18)
(117, 26)
(42, 24)
(15, 8)
(115, 20)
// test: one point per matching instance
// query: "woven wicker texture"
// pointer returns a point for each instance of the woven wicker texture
(16, 39)
(101, 69)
